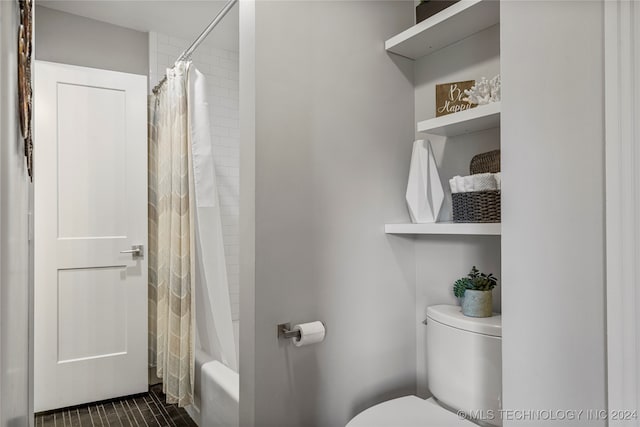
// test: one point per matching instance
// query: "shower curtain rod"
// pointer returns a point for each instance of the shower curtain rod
(189, 51)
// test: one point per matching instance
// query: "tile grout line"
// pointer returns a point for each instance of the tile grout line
(163, 408)
(99, 415)
(90, 416)
(156, 404)
(143, 410)
(132, 412)
(149, 408)
(115, 411)
(106, 417)
(126, 408)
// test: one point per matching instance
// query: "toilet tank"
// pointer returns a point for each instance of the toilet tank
(464, 362)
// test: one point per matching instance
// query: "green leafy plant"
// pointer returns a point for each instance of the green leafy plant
(476, 281)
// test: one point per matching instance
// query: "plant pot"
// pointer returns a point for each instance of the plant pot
(477, 303)
(429, 8)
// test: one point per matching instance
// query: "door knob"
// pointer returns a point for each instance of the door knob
(135, 251)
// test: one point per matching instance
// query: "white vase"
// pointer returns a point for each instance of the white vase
(424, 189)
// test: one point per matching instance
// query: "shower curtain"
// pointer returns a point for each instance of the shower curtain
(186, 251)
(171, 238)
(214, 324)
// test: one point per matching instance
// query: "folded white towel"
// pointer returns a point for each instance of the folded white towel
(484, 182)
(469, 183)
(478, 182)
(460, 184)
(453, 185)
(498, 178)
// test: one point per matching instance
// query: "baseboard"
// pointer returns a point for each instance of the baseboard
(194, 413)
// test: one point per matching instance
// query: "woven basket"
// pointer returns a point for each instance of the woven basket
(479, 206)
(476, 206)
(485, 163)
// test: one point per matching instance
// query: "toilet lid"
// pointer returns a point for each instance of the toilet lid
(408, 411)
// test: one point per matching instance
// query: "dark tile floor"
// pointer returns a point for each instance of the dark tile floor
(149, 410)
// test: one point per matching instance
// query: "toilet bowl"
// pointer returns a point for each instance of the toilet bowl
(464, 368)
(408, 411)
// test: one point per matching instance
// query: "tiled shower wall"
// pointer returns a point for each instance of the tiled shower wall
(220, 67)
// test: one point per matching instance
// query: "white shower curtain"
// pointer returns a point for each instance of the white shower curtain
(185, 237)
(214, 326)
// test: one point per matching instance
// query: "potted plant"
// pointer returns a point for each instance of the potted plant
(475, 291)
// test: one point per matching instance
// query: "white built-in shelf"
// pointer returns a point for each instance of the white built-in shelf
(472, 120)
(453, 24)
(486, 229)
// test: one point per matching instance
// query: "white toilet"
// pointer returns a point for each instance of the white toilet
(464, 370)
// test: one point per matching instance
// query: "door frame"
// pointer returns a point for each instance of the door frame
(622, 152)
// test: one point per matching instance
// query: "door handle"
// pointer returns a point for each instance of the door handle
(135, 251)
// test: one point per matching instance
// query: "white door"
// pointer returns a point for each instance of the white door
(90, 189)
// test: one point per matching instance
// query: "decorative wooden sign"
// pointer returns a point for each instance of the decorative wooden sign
(449, 97)
(24, 78)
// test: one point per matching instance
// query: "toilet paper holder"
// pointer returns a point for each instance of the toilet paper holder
(285, 332)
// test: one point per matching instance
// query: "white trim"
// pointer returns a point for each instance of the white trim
(194, 413)
(622, 118)
(247, 66)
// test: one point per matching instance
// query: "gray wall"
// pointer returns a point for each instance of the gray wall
(553, 206)
(14, 247)
(334, 132)
(440, 260)
(76, 40)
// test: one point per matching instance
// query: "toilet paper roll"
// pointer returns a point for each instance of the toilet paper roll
(310, 333)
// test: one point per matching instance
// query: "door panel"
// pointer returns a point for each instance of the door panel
(92, 315)
(90, 193)
(91, 124)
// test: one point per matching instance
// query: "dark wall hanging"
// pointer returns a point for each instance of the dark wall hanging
(25, 93)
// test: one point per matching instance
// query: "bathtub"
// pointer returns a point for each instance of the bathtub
(216, 393)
